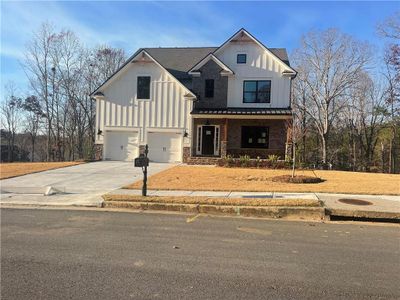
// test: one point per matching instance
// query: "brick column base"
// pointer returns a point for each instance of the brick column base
(98, 152)
(223, 148)
(185, 154)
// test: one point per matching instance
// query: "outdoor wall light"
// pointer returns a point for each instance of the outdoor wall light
(99, 132)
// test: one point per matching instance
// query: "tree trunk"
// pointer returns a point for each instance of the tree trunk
(390, 155)
(33, 149)
(324, 140)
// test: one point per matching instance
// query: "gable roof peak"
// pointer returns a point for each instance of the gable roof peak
(242, 31)
(225, 69)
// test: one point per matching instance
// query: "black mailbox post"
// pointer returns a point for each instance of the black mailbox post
(143, 162)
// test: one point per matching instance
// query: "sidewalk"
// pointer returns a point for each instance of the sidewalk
(379, 206)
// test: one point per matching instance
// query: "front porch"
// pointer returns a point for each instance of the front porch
(216, 137)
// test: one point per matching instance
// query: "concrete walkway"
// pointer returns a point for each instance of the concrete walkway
(380, 205)
(81, 184)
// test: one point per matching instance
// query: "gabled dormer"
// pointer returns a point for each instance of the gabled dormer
(210, 82)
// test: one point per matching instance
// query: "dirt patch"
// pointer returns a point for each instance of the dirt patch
(214, 200)
(297, 179)
(9, 170)
(260, 180)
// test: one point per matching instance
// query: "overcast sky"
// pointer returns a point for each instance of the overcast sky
(131, 25)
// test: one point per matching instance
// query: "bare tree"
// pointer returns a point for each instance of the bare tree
(10, 117)
(329, 63)
(372, 112)
(40, 70)
(390, 30)
(99, 65)
(34, 116)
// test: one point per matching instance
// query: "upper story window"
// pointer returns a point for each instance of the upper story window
(143, 87)
(257, 91)
(209, 88)
(241, 58)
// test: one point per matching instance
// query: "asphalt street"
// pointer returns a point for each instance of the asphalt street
(74, 254)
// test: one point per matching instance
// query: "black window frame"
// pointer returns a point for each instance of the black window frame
(257, 92)
(255, 133)
(238, 61)
(209, 90)
(143, 94)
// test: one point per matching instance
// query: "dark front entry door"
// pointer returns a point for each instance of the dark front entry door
(207, 143)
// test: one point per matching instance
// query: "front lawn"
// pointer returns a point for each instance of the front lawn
(260, 180)
(8, 170)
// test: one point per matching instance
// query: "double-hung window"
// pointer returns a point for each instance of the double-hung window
(143, 87)
(257, 91)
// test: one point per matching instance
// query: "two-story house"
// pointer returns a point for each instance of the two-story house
(197, 102)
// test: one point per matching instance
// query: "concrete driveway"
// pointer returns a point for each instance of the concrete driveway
(83, 184)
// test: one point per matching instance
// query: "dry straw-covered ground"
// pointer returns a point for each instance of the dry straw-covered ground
(214, 200)
(260, 180)
(8, 170)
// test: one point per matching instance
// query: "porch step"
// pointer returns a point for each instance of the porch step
(194, 160)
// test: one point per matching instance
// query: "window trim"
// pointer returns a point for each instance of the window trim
(258, 145)
(137, 87)
(205, 88)
(256, 91)
(245, 58)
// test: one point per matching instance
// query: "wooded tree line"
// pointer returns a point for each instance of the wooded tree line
(57, 110)
(346, 99)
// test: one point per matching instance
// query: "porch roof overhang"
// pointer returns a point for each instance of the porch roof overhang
(242, 113)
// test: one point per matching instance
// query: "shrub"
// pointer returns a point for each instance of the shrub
(244, 160)
(228, 161)
(273, 158)
(258, 162)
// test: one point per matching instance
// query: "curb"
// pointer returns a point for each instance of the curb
(363, 214)
(275, 212)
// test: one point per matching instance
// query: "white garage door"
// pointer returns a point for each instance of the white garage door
(121, 145)
(164, 147)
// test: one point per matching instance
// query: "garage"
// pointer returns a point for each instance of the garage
(165, 146)
(121, 145)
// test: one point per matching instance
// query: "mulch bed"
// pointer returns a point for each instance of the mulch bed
(297, 179)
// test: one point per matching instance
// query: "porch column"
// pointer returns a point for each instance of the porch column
(224, 139)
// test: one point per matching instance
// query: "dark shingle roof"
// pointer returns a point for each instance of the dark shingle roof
(241, 111)
(178, 61)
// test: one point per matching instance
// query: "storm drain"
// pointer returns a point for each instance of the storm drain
(355, 202)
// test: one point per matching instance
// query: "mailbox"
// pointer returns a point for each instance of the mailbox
(141, 161)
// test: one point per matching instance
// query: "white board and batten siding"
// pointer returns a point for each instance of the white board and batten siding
(166, 112)
(260, 65)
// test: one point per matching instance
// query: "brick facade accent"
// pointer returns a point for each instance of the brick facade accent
(211, 71)
(203, 160)
(277, 138)
(230, 141)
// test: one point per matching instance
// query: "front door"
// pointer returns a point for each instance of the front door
(207, 143)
